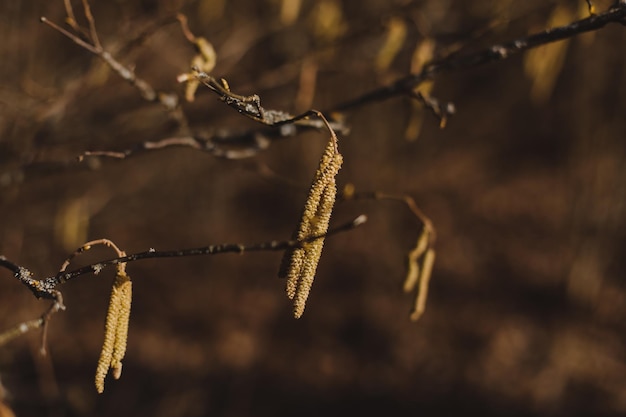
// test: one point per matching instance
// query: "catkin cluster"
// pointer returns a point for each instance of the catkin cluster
(116, 329)
(299, 264)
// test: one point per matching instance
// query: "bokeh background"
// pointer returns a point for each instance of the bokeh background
(525, 186)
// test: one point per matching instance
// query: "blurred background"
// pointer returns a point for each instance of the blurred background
(525, 187)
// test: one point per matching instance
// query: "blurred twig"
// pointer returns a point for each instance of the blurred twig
(220, 144)
(421, 258)
(244, 145)
(235, 145)
(498, 52)
(88, 39)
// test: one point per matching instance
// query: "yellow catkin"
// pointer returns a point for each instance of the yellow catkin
(192, 84)
(413, 272)
(544, 65)
(412, 275)
(422, 293)
(293, 274)
(207, 52)
(204, 61)
(115, 329)
(304, 288)
(291, 263)
(314, 249)
(396, 35)
(299, 265)
(320, 180)
(319, 226)
(121, 334)
(289, 11)
(325, 174)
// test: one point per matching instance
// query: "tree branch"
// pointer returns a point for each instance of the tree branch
(93, 45)
(46, 288)
(498, 52)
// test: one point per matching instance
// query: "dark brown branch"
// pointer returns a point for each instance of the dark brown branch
(205, 250)
(242, 145)
(250, 106)
(405, 85)
(46, 288)
(40, 289)
(234, 145)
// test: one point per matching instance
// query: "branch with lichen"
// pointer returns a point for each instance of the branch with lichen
(116, 326)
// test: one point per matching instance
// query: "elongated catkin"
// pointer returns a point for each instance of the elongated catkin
(115, 329)
(300, 264)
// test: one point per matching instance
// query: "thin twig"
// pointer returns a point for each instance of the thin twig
(71, 18)
(140, 35)
(92, 25)
(421, 257)
(228, 146)
(591, 7)
(455, 62)
(440, 110)
(249, 143)
(87, 246)
(205, 250)
(349, 194)
(78, 41)
(46, 288)
(250, 106)
(168, 100)
(18, 330)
